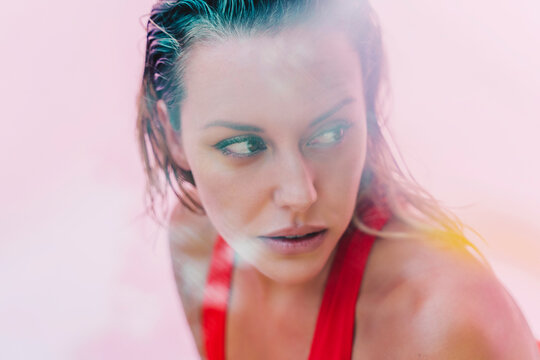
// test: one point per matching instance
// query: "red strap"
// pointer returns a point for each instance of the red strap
(215, 301)
(334, 332)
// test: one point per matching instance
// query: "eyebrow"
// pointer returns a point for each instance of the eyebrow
(252, 128)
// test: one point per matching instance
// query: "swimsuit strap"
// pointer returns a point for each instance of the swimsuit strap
(216, 299)
(334, 332)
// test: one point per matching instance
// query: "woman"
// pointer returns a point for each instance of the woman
(297, 235)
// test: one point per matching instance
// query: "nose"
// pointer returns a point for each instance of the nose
(295, 188)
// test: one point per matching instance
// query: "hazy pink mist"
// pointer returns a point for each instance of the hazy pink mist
(85, 276)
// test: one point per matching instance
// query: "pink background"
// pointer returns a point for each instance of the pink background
(83, 273)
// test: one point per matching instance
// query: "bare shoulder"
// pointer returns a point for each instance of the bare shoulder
(190, 235)
(191, 240)
(426, 301)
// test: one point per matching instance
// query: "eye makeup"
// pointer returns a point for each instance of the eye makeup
(249, 145)
(242, 146)
(329, 137)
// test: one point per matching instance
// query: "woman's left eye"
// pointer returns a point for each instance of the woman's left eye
(329, 137)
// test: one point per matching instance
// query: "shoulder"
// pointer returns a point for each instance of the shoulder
(191, 236)
(191, 240)
(436, 302)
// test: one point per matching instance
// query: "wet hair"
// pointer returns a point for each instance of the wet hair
(175, 26)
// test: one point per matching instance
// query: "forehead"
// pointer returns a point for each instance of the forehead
(293, 72)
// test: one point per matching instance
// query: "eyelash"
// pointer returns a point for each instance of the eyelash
(224, 144)
(341, 128)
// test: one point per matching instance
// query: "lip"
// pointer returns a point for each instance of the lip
(310, 242)
(294, 231)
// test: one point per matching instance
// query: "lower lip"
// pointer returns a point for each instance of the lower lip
(294, 246)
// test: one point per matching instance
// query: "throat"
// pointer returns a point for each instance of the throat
(256, 311)
(251, 288)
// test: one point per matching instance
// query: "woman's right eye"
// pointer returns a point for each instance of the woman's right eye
(241, 146)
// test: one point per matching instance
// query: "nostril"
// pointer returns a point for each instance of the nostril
(296, 198)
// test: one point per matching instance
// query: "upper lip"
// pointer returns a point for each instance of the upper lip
(295, 231)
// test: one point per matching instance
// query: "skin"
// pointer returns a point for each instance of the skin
(306, 174)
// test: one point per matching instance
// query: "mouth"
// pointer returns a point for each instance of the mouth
(295, 237)
(296, 243)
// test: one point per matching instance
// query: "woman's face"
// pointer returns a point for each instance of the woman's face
(274, 131)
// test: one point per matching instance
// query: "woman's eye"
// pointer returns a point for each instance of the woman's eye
(241, 146)
(329, 137)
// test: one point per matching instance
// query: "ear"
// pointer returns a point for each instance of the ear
(174, 140)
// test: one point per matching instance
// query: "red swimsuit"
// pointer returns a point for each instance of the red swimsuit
(333, 338)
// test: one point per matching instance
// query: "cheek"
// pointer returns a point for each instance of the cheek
(232, 196)
(339, 178)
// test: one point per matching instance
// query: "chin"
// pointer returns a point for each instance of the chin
(293, 271)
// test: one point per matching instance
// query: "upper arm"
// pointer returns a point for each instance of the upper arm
(476, 318)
